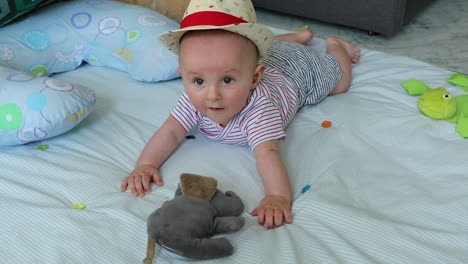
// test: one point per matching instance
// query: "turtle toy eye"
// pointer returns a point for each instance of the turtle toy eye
(446, 96)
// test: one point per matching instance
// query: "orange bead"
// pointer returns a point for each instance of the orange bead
(326, 124)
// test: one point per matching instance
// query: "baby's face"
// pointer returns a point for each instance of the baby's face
(219, 69)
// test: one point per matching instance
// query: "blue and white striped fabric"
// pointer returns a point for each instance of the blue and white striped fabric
(388, 185)
(314, 71)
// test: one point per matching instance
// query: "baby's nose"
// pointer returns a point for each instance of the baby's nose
(214, 93)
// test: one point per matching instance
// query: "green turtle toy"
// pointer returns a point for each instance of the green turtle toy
(440, 104)
(459, 80)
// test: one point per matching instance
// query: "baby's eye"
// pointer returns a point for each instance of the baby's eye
(227, 80)
(198, 81)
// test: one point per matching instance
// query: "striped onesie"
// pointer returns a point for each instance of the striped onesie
(294, 76)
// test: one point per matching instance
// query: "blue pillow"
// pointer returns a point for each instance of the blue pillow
(59, 37)
(36, 108)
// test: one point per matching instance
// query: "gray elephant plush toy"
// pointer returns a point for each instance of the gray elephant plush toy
(198, 211)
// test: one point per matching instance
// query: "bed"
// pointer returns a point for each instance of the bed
(383, 184)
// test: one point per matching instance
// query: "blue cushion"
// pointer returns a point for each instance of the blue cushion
(36, 108)
(59, 37)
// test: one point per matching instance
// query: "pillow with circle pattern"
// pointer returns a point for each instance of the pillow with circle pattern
(60, 36)
(37, 108)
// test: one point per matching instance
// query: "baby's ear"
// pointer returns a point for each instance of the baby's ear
(257, 75)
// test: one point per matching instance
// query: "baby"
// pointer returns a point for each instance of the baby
(243, 87)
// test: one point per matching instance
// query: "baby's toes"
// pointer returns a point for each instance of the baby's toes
(357, 56)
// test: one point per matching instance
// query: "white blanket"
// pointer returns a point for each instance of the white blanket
(388, 185)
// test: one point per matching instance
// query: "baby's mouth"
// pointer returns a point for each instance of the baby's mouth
(216, 108)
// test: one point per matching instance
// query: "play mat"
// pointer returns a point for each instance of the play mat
(374, 179)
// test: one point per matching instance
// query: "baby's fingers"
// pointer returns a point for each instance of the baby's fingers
(278, 218)
(123, 186)
(132, 182)
(260, 214)
(146, 183)
(132, 185)
(138, 185)
(157, 178)
(287, 216)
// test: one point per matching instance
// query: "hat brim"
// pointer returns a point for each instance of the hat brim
(259, 34)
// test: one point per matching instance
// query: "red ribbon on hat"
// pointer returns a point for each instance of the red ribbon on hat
(210, 18)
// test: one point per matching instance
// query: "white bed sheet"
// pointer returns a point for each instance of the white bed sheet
(388, 185)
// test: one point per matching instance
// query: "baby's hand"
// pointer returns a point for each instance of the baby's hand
(272, 210)
(140, 178)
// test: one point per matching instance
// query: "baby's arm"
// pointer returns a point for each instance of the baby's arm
(276, 205)
(161, 145)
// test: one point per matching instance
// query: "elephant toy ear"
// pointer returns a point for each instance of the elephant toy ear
(203, 187)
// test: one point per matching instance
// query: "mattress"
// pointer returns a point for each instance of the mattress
(387, 184)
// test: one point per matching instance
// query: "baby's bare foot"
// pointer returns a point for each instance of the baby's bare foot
(304, 35)
(354, 52)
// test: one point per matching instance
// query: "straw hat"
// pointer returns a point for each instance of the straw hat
(237, 16)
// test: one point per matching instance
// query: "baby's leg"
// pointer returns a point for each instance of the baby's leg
(346, 54)
(302, 36)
